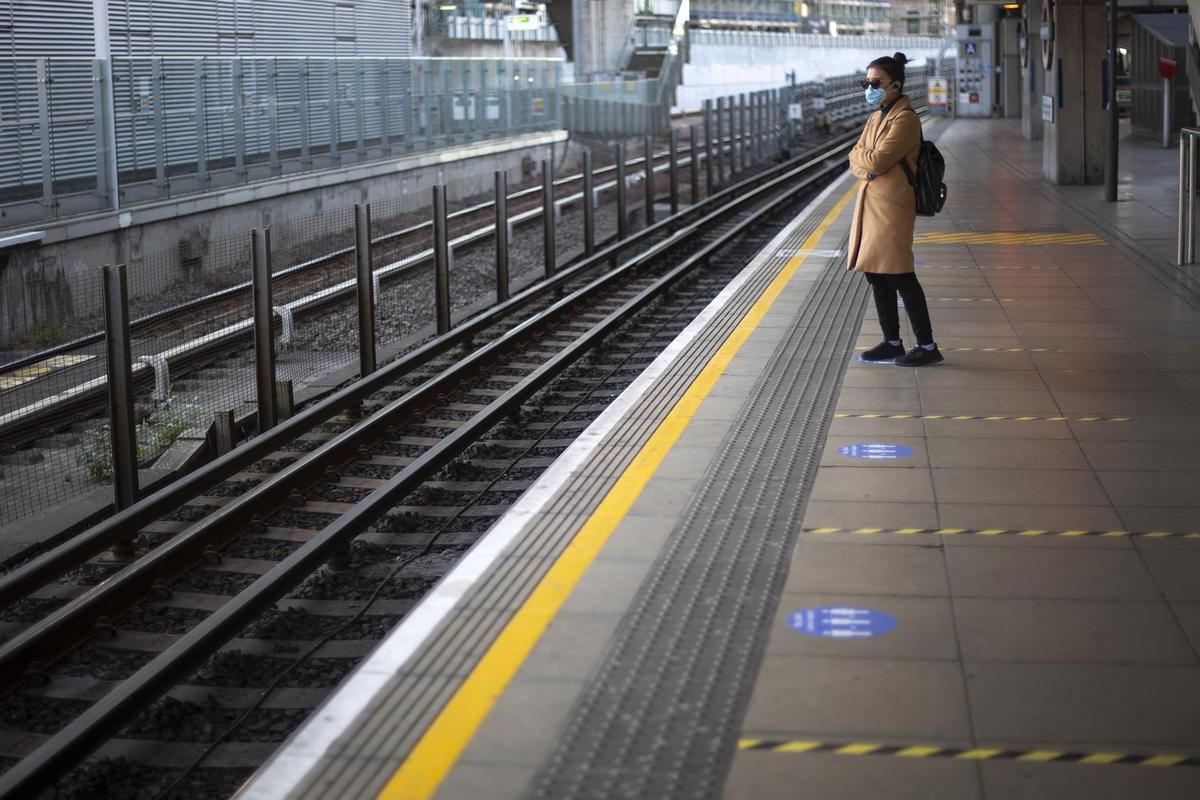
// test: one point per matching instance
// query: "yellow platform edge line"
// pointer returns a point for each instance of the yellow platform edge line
(968, 754)
(435, 754)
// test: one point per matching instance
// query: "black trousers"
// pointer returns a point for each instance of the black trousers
(885, 288)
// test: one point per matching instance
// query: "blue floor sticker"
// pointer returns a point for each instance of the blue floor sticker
(841, 623)
(873, 451)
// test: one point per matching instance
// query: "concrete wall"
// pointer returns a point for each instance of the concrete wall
(1073, 144)
(724, 69)
(603, 26)
(1033, 80)
(169, 242)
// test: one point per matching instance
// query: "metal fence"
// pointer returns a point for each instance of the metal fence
(183, 125)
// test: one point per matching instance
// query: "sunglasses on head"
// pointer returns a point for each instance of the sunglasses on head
(871, 84)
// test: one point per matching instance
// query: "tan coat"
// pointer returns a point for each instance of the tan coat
(885, 212)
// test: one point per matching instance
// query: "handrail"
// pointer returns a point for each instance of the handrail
(1185, 250)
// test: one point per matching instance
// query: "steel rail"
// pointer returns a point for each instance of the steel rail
(38, 771)
(25, 579)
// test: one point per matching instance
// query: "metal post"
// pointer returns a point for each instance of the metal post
(1191, 201)
(502, 234)
(43, 94)
(385, 109)
(302, 89)
(648, 150)
(335, 125)
(720, 140)
(360, 111)
(1111, 135)
(589, 205)
(708, 165)
(273, 117)
(548, 244)
(441, 259)
(1166, 118)
(1181, 231)
(159, 117)
(264, 329)
(694, 163)
(745, 151)
(673, 174)
(239, 120)
(200, 76)
(120, 386)
(106, 136)
(622, 213)
(366, 289)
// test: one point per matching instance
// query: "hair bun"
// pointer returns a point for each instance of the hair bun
(900, 59)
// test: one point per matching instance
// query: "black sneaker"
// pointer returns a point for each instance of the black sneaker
(919, 357)
(884, 351)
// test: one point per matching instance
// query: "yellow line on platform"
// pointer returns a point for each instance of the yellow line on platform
(432, 758)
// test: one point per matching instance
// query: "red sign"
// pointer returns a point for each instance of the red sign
(1166, 68)
(973, 97)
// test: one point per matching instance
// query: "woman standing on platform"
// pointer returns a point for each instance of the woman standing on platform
(885, 213)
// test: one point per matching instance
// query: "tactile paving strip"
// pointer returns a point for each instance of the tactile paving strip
(661, 717)
(413, 698)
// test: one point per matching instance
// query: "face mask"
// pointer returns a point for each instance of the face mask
(875, 96)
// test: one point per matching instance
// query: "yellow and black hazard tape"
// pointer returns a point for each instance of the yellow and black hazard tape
(968, 753)
(975, 266)
(1014, 237)
(989, 349)
(989, 418)
(1003, 532)
(973, 299)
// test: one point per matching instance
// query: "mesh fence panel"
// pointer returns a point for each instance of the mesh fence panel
(402, 265)
(312, 260)
(473, 261)
(48, 455)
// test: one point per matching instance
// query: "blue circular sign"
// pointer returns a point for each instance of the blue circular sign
(839, 622)
(874, 451)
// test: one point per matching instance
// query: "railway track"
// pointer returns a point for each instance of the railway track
(275, 567)
(317, 284)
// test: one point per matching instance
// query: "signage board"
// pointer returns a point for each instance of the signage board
(1047, 108)
(795, 113)
(938, 95)
(523, 22)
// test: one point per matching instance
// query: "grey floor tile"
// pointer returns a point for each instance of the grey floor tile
(607, 587)
(1019, 487)
(784, 776)
(859, 699)
(572, 646)
(1105, 381)
(1151, 427)
(862, 484)
(638, 538)
(1006, 453)
(1011, 780)
(1188, 616)
(1094, 362)
(986, 401)
(955, 375)
(1151, 488)
(1176, 571)
(875, 377)
(1121, 402)
(877, 427)
(1127, 706)
(1024, 572)
(1152, 456)
(665, 496)
(471, 780)
(524, 723)
(913, 571)
(1070, 631)
(853, 399)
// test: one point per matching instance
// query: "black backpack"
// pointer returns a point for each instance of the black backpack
(927, 183)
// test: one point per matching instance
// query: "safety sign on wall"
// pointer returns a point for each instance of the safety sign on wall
(837, 622)
(938, 95)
